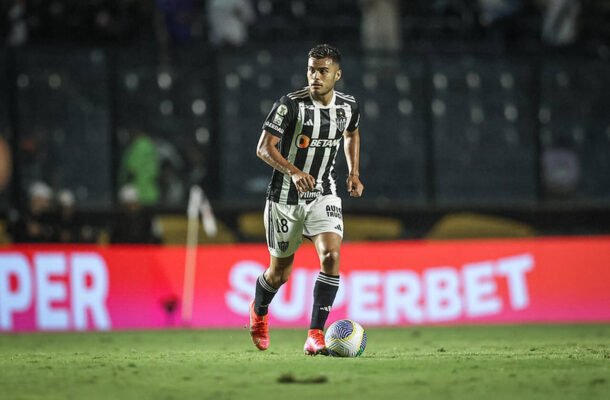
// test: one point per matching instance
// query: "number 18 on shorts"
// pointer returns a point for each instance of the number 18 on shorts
(286, 224)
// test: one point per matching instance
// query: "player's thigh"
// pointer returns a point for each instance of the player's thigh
(283, 228)
(324, 215)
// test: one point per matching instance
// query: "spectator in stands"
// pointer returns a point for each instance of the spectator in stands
(140, 167)
(37, 224)
(133, 224)
(497, 10)
(171, 179)
(174, 22)
(229, 21)
(17, 34)
(500, 22)
(71, 229)
(66, 224)
(380, 27)
(560, 26)
(122, 20)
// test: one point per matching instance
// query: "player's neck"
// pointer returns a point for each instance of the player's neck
(325, 99)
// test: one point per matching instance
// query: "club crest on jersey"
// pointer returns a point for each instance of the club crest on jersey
(341, 120)
(282, 110)
(302, 141)
(283, 245)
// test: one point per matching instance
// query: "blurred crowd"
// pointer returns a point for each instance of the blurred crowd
(152, 171)
(231, 22)
(51, 217)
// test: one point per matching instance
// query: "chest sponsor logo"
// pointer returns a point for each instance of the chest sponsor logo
(324, 142)
(302, 141)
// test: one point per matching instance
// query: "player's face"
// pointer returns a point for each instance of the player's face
(322, 74)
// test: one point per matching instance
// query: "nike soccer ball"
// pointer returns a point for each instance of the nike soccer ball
(345, 338)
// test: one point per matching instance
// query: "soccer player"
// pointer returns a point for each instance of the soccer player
(300, 140)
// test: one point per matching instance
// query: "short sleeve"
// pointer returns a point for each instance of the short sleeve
(354, 123)
(282, 114)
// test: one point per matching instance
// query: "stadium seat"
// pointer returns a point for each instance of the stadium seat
(251, 84)
(573, 118)
(174, 107)
(390, 139)
(63, 104)
(483, 138)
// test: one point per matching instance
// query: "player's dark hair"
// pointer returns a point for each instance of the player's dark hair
(326, 51)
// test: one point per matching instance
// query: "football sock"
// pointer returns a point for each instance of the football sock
(264, 295)
(324, 293)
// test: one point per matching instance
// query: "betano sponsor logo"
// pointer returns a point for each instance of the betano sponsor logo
(324, 142)
(304, 141)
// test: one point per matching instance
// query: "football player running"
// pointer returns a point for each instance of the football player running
(300, 140)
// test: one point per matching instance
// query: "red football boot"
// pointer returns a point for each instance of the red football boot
(259, 329)
(315, 343)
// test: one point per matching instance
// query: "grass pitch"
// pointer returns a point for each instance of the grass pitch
(473, 362)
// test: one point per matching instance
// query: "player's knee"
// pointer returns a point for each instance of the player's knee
(329, 259)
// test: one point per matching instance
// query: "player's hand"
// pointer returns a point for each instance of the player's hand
(303, 181)
(354, 186)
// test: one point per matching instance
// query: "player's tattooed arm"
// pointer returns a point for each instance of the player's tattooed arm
(351, 147)
(268, 152)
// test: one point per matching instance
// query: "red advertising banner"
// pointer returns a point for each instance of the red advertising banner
(388, 283)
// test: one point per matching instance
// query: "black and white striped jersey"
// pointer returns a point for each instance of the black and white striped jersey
(310, 136)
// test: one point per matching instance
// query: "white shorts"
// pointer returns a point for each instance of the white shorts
(285, 224)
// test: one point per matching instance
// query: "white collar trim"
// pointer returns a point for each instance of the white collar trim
(320, 105)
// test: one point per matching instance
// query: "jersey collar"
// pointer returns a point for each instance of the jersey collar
(320, 105)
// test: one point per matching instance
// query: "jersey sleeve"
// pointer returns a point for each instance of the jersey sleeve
(354, 123)
(282, 114)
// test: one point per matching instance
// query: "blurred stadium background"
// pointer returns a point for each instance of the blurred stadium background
(480, 119)
(471, 109)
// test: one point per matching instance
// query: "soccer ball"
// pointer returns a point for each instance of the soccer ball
(345, 338)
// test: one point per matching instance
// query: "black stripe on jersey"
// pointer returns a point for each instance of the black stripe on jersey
(270, 238)
(287, 139)
(299, 161)
(277, 178)
(326, 182)
(319, 152)
(274, 190)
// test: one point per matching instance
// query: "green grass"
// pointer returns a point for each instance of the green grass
(499, 362)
